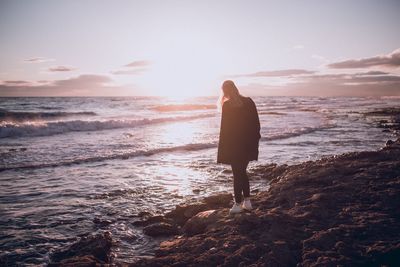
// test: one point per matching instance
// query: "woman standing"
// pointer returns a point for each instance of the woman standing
(238, 140)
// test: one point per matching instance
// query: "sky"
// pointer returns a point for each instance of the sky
(188, 48)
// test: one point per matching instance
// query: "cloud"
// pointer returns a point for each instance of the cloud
(276, 73)
(371, 83)
(373, 73)
(133, 68)
(16, 82)
(83, 85)
(83, 81)
(128, 71)
(390, 60)
(359, 78)
(138, 63)
(38, 60)
(61, 69)
(21, 83)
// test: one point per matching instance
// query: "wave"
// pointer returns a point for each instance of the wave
(10, 129)
(20, 116)
(138, 153)
(297, 132)
(271, 113)
(183, 107)
(187, 147)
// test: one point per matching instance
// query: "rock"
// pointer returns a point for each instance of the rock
(183, 213)
(389, 142)
(196, 191)
(90, 250)
(198, 224)
(161, 229)
(221, 200)
(144, 214)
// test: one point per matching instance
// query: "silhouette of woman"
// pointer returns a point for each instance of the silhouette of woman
(238, 140)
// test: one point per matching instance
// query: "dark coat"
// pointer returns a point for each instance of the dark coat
(240, 132)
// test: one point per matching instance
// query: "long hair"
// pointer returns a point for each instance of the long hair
(230, 92)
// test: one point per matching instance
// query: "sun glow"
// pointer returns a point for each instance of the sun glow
(182, 79)
(185, 65)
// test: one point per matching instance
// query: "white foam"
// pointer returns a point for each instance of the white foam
(12, 129)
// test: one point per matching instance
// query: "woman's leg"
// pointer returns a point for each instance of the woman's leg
(240, 180)
(237, 182)
(245, 181)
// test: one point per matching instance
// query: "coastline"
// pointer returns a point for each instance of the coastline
(339, 210)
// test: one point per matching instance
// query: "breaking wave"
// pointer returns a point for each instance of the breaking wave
(12, 129)
(20, 116)
(187, 147)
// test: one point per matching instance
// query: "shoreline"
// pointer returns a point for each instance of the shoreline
(338, 210)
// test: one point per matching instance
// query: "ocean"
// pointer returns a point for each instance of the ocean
(71, 166)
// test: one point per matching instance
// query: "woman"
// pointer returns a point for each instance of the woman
(238, 140)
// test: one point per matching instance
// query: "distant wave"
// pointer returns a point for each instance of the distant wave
(271, 113)
(187, 147)
(18, 116)
(297, 132)
(59, 127)
(183, 107)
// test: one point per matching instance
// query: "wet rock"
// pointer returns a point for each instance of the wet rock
(144, 214)
(392, 144)
(198, 223)
(90, 250)
(183, 213)
(161, 229)
(389, 142)
(221, 200)
(255, 191)
(196, 191)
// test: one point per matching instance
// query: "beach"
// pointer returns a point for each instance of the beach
(83, 183)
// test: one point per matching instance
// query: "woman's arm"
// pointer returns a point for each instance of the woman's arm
(255, 119)
(225, 134)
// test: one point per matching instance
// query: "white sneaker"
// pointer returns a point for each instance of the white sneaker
(235, 209)
(246, 204)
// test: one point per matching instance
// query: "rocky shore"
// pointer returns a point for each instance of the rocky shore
(338, 211)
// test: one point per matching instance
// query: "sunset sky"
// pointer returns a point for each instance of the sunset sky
(187, 48)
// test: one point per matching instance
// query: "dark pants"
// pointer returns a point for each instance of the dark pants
(240, 180)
